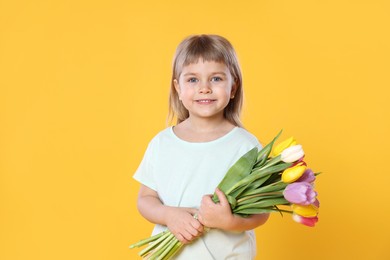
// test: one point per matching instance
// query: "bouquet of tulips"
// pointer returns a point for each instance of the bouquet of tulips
(274, 179)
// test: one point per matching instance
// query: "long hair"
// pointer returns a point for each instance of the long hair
(209, 48)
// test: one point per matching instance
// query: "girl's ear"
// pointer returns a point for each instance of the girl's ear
(177, 87)
(234, 89)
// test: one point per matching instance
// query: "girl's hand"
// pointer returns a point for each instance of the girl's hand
(219, 215)
(181, 222)
(215, 215)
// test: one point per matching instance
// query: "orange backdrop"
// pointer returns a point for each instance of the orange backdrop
(84, 87)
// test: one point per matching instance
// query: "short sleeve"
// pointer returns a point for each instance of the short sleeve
(144, 174)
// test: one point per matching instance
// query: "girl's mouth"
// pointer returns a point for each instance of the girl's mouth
(205, 101)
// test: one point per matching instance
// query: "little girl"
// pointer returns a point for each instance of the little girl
(184, 163)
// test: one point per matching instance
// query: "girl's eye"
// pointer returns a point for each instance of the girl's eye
(216, 79)
(192, 80)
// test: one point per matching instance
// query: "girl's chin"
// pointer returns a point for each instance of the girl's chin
(207, 116)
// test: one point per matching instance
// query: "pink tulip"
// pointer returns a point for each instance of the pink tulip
(308, 176)
(300, 193)
(310, 222)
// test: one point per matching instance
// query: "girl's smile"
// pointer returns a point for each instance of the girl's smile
(205, 101)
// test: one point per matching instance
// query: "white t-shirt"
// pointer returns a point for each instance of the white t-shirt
(182, 172)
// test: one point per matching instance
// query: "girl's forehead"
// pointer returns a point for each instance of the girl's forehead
(204, 65)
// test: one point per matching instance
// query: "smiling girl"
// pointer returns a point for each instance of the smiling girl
(184, 163)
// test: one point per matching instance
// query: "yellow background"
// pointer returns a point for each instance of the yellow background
(84, 86)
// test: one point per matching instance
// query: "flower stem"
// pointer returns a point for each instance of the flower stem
(147, 240)
(154, 244)
(162, 247)
(168, 249)
(174, 250)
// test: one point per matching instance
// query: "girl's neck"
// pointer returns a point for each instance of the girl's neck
(198, 130)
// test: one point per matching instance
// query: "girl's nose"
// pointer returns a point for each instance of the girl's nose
(205, 88)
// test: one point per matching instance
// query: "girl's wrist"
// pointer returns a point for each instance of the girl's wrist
(233, 223)
(168, 212)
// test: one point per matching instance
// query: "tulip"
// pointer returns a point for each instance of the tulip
(292, 153)
(310, 222)
(283, 145)
(305, 211)
(308, 176)
(293, 173)
(301, 193)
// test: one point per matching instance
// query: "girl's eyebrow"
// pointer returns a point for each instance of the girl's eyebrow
(189, 74)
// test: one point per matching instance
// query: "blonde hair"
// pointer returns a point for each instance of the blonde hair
(209, 48)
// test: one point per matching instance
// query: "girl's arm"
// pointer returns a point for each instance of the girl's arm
(180, 221)
(219, 215)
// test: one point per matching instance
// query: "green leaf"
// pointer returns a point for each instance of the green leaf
(280, 167)
(238, 171)
(274, 178)
(264, 153)
(274, 187)
(255, 176)
(248, 186)
(255, 185)
(256, 198)
(264, 203)
(232, 201)
(251, 211)
(263, 156)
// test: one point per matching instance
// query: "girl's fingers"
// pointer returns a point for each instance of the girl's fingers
(200, 219)
(197, 225)
(181, 238)
(190, 235)
(192, 211)
(206, 200)
(221, 196)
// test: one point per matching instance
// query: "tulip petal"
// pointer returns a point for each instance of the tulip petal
(293, 173)
(316, 203)
(307, 176)
(278, 149)
(305, 211)
(310, 222)
(292, 153)
(301, 193)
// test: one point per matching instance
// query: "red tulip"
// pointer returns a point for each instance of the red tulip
(310, 222)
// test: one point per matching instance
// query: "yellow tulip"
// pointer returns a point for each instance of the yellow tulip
(278, 149)
(293, 173)
(305, 211)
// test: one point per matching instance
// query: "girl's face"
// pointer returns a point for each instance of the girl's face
(205, 88)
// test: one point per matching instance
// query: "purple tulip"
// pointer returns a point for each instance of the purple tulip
(316, 203)
(300, 193)
(308, 176)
